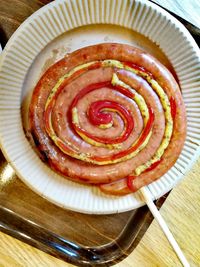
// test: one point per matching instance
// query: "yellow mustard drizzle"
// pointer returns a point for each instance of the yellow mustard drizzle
(168, 120)
(105, 126)
(141, 104)
(61, 80)
(75, 120)
(137, 98)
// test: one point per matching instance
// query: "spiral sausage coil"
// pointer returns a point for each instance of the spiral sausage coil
(109, 115)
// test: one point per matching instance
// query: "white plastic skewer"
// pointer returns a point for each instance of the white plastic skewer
(163, 225)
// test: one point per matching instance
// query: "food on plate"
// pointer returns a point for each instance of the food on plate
(108, 115)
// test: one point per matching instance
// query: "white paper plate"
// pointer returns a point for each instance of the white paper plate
(47, 34)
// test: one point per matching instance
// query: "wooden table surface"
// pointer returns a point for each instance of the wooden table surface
(181, 210)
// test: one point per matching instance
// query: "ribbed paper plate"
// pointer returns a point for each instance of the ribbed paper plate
(40, 30)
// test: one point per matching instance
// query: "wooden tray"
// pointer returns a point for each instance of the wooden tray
(84, 240)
